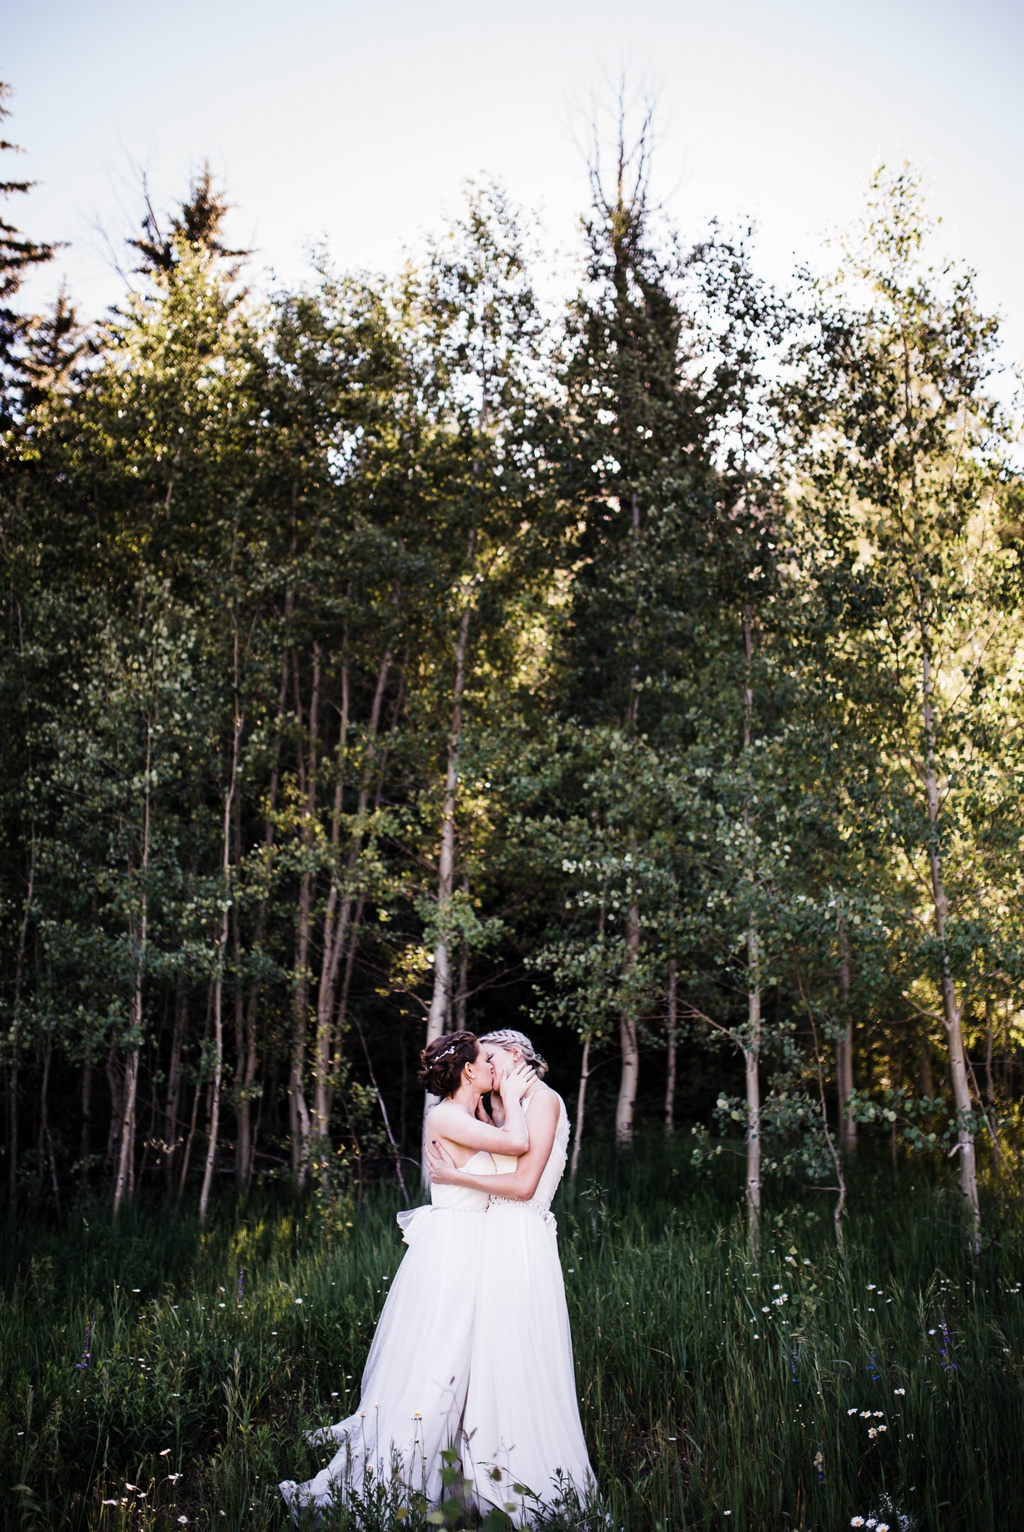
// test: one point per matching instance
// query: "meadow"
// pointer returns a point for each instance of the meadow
(152, 1377)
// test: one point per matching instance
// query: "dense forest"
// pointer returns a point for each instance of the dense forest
(415, 651)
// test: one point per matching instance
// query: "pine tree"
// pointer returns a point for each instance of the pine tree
(18, 254)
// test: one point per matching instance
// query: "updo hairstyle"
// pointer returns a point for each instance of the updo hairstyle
(507, 1037)
(444, 1059)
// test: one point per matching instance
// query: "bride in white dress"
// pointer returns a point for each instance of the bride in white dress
(415, 1382)
(522, 1420)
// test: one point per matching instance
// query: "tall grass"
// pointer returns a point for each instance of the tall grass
(151, 1377)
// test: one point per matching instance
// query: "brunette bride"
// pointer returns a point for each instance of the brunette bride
(415, 1382)
(522, 1420)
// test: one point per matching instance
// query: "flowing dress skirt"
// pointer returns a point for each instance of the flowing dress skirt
(414, 1384)
(522, 1418)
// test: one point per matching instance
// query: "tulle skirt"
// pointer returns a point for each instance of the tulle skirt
(522, 1418)
(414, 1385)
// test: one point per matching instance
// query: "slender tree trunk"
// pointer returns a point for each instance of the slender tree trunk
(299, 1119)
(990, 1090)
(950, 1004)
(751, 1059)
(844, 1055)
(670, 1072)
(172, 1098)
(440, 1012)
(85, 1143)
(43, 1132)
(222, 947)
(247, 1061)
(581, 1105)
(190, 1139)
(338, 915)
(752, 1047)
(628, 1040)
(439, 1016)
(15, 1035)
(114, 1090)
(125, 1182)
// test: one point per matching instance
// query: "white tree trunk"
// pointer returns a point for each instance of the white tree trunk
(581, 1103)
(950, 1003)
(124, 1183)
(630, 1072)
(844, 1058)
(218, 987)
(298, 1111)
(439, 1015)
(670, 1072)
(752, 1081)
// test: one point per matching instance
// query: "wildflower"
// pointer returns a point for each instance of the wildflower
(165, 1453)
(83, 1365)
(183, 1521)
(298, 1300)
(853, 1412)
(899, 1391)
(874, 1431)
(945, 1347)
(856, 1521)
(241, 1280)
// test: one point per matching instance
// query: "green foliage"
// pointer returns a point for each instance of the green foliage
(792, 1386)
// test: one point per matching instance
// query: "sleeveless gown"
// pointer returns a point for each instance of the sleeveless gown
(413, 1393)
(522, 1418)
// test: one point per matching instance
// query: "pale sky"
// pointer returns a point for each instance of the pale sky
(360, 121)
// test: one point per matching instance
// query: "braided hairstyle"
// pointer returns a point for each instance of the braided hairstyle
(508, 1037)
(443, 1061)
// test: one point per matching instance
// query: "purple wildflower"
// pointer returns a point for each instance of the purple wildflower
(83, 1365)
(945, 1346)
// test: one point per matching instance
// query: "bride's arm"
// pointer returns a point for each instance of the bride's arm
(520, 1183)
(447, 1121)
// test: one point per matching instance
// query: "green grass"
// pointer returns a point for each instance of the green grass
(696, 1402)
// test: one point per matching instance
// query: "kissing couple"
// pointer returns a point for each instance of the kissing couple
(472, 1352)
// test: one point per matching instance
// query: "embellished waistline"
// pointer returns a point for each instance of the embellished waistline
(516, 1202)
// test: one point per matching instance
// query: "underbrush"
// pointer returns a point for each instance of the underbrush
(152, 1377)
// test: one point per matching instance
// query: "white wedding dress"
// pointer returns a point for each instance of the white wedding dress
(522, 1418)
(414, 1385)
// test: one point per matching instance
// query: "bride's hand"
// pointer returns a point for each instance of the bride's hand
(516, 1082)
(440, 1163)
